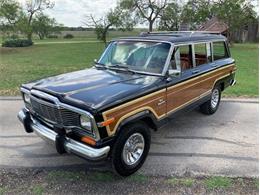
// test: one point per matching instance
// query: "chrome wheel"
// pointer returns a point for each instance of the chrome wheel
(214, 98)
(133, 148)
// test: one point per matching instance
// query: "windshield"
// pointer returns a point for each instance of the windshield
(147, 57)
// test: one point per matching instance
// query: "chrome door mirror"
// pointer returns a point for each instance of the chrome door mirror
(174, 72)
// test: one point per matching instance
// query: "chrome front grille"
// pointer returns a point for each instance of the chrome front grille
(54, 114)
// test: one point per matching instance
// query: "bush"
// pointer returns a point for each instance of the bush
(14, 36)
(68, 36)
(52, 36)
(17, 43)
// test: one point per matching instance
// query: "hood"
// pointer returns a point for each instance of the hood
(94, 89)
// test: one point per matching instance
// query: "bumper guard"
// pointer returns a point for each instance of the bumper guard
(70, 145)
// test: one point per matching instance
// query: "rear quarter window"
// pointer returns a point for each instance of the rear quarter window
(219, 50)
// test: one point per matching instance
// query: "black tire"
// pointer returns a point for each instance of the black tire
(209, 107)
(118, 162)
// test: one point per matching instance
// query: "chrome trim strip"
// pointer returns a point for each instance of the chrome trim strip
(166, 65)
(66, 106)
(70, 145)
(233, 82)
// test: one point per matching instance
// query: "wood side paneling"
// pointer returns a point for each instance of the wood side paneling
(175, 96)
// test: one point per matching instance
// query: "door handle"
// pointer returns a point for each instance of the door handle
(195, 71)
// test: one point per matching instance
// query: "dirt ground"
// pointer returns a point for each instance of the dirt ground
(43, 181)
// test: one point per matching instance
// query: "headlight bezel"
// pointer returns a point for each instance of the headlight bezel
(86, 122)
(93, 131)
(27, 98)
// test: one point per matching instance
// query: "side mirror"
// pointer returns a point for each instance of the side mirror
(174, 72)
(95, 60)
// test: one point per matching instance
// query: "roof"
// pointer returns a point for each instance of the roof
(177, 37)
(214, 24)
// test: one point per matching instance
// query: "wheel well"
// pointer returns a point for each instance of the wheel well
(149, 122)
(145, 119)
(222, 86)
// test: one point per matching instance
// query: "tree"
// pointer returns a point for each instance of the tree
(32, 8)
(9, 16)
(9, 11)
(145, 10)
(195, 12)
(43, 25)
(117, 18)
(235, 13)
(171, 17)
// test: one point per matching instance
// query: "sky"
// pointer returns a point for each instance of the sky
(72, 12)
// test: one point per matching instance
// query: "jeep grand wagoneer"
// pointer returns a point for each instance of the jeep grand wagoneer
(108, 111)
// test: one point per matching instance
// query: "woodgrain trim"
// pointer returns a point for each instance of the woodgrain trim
(112, 129)
(134, 101)
(189, 102)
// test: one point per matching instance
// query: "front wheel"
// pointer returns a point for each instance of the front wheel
(131, 148)
(211, 106)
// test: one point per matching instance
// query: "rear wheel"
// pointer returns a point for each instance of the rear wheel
(131, 148)
(211, 106)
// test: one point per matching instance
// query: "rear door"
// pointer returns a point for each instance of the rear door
(192, 60)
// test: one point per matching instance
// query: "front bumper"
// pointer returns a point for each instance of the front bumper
(67, 144)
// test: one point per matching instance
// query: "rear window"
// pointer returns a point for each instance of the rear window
(219, 50)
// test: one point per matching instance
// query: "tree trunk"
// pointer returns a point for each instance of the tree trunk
(29, 36)
(151, 25)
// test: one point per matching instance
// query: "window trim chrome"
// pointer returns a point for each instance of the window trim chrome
(166, 64)
(59, 104)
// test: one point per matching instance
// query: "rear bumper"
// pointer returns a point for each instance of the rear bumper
(233, 82)
(67, 144)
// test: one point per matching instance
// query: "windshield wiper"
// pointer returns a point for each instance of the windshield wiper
(118, 66)
(121, 67)
(100, 65)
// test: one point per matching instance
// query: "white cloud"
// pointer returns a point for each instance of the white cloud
(71, 12)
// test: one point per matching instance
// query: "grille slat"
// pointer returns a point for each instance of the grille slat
(53, 114)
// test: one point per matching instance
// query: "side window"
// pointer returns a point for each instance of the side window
(182, 58)
(202, 53)
(219, 50)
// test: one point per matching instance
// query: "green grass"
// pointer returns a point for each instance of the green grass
(247, 61)
(21, 65)
(218, 182)
(65, 175)
(256, 181)
(75, 176)
(100, 177)
(2, 190)
(188, 182)
(37, 190)
(138, 178)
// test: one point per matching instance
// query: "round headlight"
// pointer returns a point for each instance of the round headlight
(27, 98)
(85, 122)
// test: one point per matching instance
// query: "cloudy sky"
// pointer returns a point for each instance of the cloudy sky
(72, 12)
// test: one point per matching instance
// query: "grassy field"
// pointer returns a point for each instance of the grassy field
(247, 61)
(20, 65)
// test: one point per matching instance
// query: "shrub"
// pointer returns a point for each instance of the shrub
(17, 43)
(14, 36)
(68, 36)
(52, 36)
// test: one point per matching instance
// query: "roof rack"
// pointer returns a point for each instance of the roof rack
(180, 33)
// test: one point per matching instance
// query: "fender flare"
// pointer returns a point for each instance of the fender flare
(143, 116)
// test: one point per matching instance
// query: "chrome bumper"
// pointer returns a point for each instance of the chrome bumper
(70, 145)
(233, 82)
